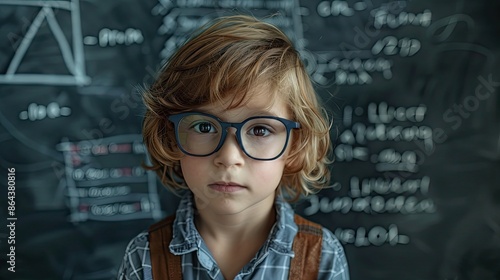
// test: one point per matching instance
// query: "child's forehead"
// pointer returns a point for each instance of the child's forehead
(257, 104)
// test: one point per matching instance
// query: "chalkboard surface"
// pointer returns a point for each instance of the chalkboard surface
(412, 86)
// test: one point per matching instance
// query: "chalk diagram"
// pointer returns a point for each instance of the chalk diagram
(72, 54)
(109, 192)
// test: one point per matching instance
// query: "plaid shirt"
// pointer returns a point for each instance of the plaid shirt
(271, 262)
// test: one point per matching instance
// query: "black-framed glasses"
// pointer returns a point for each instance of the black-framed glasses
(260, 137)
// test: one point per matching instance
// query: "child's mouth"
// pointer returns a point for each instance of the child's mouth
(226, 187)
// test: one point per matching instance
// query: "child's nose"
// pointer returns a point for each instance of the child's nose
(230, 153)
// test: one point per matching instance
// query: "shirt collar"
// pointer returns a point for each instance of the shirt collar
(187, 239)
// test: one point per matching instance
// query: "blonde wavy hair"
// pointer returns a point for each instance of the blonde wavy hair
(226, 59)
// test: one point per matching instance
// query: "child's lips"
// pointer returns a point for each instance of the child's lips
(226, 187)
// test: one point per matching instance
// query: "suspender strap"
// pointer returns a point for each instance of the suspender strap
(307, 249)
(164, 264)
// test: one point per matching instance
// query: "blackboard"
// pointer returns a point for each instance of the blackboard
(412, 87)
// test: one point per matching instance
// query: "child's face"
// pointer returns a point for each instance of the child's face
(228, 181)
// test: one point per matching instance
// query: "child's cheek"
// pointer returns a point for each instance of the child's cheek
(269, 173)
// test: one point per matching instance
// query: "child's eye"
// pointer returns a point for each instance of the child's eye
(204, 127)
(259, 131)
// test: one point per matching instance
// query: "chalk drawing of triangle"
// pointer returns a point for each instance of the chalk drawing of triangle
(74, 65)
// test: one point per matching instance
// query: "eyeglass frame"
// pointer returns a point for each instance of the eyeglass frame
(176, 118)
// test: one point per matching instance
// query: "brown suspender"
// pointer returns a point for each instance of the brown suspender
(307, 249)
(164, 264)
(306, 246)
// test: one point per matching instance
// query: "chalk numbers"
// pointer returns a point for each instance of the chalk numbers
(391, 45)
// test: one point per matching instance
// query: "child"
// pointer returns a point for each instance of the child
(234, 120)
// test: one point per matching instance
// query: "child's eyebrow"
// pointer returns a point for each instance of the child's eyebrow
(260, 112)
